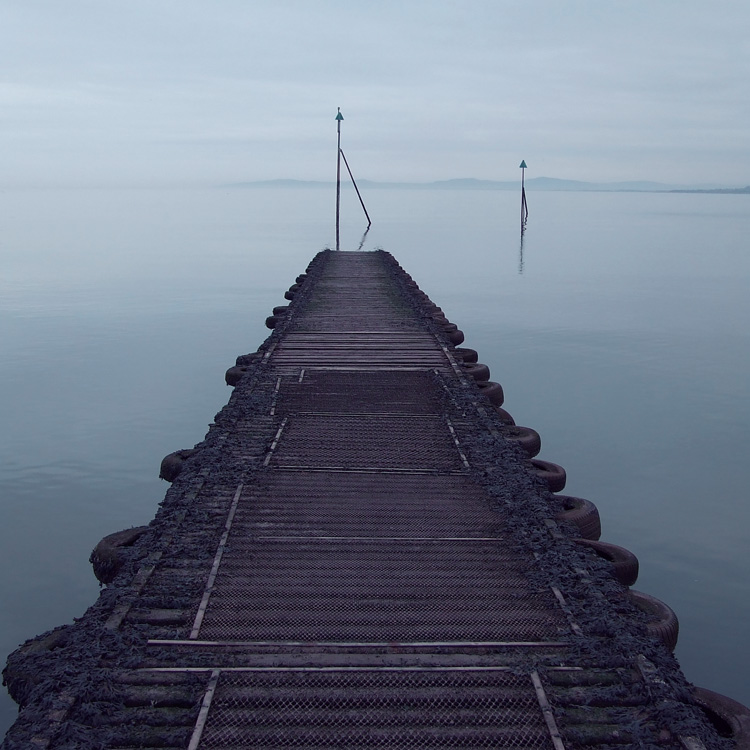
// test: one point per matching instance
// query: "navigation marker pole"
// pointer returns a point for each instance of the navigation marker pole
(339, 118)
(340, 155)
(524, 206)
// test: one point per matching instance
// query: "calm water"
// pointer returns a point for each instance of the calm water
(619, 332)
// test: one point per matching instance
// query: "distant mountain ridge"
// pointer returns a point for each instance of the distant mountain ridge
(533, 183)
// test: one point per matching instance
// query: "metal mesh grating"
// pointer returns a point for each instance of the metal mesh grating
(372, 321)
(300, 503)
(360, 348)
(356, 393)
(356, 288)
(367, 442)
(360, 590)
(375, 709)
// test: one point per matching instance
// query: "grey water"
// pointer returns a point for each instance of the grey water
(618, 328)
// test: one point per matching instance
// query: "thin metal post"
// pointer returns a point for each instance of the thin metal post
(339, 118)
(369, 222)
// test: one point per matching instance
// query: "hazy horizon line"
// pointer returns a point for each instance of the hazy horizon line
(540, 182)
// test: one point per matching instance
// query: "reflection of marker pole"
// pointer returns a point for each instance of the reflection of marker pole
(524, 207)
(339, 118)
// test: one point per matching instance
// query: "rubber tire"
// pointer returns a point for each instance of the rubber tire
(476, 370)
(664, 624)
(273, 320)
(624, 563)
(281, 310)
(20, 677)
(583, 513)
(491, 390)
(456, 337)
(553, 474)
(234, 374)
(289, 294)
(467, 356)
(106, 558)
(524, 437)
(730, 718)
(171, 464)
(504, 416)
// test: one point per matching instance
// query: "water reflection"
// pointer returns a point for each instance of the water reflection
(364, 237)
(520, 255)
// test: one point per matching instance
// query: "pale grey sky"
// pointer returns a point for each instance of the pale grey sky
(212, 91)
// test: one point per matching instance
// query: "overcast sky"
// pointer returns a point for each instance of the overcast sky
(213, 91)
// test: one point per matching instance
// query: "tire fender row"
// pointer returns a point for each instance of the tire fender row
(245, 362)
(109, 555)
(279, 313)
(577, 512)
(581, 513)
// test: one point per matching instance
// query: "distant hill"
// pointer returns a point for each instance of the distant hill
(727, 191)
(280, 184)
(554, 183)
(533, 183)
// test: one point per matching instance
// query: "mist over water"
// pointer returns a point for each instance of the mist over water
(618, 330)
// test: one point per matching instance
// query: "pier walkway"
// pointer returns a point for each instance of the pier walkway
(358, 555)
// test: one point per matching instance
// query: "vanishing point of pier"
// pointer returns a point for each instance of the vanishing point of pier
(364, 553)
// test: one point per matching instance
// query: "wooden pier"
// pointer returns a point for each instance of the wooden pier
(360, 554)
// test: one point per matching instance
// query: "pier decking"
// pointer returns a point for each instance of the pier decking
(358, 555)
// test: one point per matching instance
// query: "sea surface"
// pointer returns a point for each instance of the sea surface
(619, 329)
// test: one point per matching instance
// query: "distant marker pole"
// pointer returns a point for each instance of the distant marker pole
(524, 206)
(339, 118)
